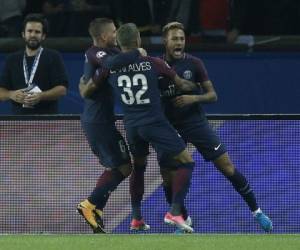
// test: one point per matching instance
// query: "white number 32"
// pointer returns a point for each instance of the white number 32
(126, 83)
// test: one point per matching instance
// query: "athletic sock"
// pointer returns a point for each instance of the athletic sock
(180, 187)
(136, 187)
(168, 194)
(241, 185)
(107, 183)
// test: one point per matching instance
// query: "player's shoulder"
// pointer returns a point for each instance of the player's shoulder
(192, 58)
(156, 60)
(96, 51)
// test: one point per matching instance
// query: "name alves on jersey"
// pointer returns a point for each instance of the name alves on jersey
(135, 67)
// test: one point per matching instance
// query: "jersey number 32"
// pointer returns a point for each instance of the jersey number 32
(129, 97)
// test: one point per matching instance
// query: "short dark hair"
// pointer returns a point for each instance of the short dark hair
(96, 27)
(127, 35)
(35, 17)
(171, 26)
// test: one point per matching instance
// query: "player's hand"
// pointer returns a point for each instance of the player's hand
(184, 100)
(18, 96)
(82, 84)
(32, 99)
(82, 80)
(142, 51)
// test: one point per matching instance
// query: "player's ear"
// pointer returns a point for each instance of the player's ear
(138, 41)
(164, 39)
(102, 36)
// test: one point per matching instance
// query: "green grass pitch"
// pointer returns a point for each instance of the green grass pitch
(151, 241)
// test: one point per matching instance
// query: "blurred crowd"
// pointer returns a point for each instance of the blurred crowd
(227, 18)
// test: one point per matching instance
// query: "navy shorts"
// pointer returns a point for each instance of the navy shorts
(107, 144)
(162, 137)
(202, 136)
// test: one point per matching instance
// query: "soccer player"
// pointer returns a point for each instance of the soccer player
(98, 123)
(138, 88)
(185, 113)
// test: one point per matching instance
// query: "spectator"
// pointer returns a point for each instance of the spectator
(180, 11)
(11, 16)
(56, 13)
(54, 6)
(34, 6)
(263, 18)
(35, 78)
(82, 12)
(139, 12)
(213, 16)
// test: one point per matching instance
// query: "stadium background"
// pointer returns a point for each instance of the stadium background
(46, 167)
(246, 82)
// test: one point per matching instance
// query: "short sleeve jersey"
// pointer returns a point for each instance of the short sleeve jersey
(99, 107)
(190, 68)
(137, 86)
(49, 73)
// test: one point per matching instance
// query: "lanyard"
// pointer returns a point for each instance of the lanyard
(29, 79)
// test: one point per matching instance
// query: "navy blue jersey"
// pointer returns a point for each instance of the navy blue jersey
(99, 107)
(190, 68)
(137, 87)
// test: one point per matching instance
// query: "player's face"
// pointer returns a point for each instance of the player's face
(33, 35)
(175, 43)
(110, 35)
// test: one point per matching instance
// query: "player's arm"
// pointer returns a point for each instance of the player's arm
(91, 62)
(185, 85)
(122, 59)
(208, 96)
(164, 70)
(86, 87)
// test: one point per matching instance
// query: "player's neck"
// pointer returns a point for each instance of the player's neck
(31, 52)
(170, 58)
(127, 49)
(100, 44)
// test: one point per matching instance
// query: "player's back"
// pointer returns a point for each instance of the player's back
(137, 87)
(99, 107)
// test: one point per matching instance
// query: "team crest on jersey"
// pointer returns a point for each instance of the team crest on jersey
(100, 54)
(187, 74)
